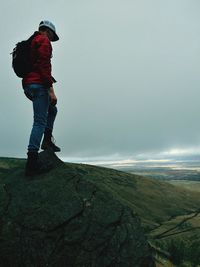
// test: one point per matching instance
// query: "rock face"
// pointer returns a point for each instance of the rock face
(64, 219)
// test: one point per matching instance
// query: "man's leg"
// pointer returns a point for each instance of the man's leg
(48, 139)
(52, 112)
(40, 111)
(40, 99)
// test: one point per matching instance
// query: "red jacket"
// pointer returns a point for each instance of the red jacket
(41, 53)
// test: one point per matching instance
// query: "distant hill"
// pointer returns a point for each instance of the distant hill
(156, 203)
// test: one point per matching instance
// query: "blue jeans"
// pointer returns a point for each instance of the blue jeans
(44, 113)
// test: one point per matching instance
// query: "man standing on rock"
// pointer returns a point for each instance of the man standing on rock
(38, 87)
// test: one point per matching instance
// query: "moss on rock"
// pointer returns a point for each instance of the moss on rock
(64, 218)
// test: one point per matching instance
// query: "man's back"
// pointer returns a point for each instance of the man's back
(41, 52)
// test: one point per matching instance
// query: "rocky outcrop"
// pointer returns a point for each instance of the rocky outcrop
(64, 219)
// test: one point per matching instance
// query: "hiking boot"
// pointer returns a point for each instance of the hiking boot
(49, 142)
(34, 166)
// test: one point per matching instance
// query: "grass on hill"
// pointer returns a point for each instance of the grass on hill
(160, 205)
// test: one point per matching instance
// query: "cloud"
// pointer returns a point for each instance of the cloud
(127, 71)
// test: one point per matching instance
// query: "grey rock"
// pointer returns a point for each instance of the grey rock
(65, 219)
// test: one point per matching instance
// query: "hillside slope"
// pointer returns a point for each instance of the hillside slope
(158, 204)
(155, 201)
(65, 218)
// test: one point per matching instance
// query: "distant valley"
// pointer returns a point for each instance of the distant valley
(166, 173)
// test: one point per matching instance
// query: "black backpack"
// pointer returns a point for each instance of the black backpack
(21, 57)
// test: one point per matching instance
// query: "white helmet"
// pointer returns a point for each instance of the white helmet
(50, 25)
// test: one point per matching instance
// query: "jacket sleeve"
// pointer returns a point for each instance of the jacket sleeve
(44, 54)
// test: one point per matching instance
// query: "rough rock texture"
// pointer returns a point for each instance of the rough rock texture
(63, 218)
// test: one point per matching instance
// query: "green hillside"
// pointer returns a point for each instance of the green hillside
(155, 201)
(160, 205)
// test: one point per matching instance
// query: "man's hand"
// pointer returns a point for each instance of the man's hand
(52, 96)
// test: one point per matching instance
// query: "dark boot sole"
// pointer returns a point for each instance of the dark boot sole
(47, 147)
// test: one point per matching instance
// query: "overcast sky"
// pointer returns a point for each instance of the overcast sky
(128, 76)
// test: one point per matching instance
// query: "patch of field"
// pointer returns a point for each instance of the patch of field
(191, 185)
